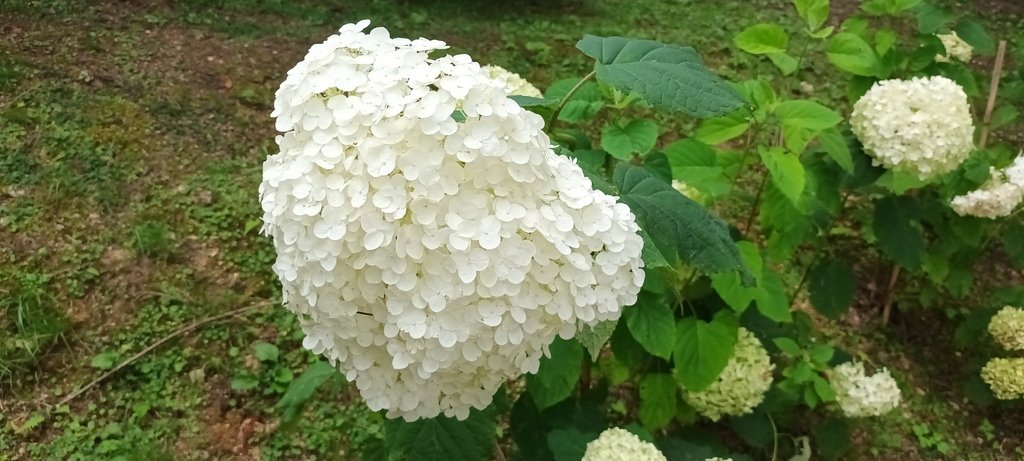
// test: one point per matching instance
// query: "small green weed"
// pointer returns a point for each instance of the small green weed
(30, 321)
(153, 239)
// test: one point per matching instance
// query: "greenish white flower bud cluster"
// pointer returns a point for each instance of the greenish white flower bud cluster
(513, 83)
(1007, 328)
(1005, 377)
(742, 384)
(956, 48)
(617, 444)
(860, 394)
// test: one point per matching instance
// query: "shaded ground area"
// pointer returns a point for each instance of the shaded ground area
(131, 140)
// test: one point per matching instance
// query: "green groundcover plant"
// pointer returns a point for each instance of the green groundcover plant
(506, 272)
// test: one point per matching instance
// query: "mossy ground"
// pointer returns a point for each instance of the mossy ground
(131, 141)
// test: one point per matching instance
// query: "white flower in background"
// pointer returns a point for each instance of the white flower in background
(1007, 328)
(689, 191)
(956, 48)
(718, 459)
(998, 197)
(921, 126)
(861, 395)
(742, 384)
(618, 444)
(1005, 377)
(431, 260)
(512, 82)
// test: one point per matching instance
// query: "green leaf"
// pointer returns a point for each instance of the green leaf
(1004, 115)
(558, 374)
(762, 39)
(653, 257)
(821, 354)
(530, 101)
(974, 34)
(835, 145)
(898, 232)
(622, 140)
(677, 224)
(1013, 242)
(728, 284)
(832, 438)
(245, 382)
(721, 129)
(786, 63)
(852, 54)
(666, 76)
(788, 346)
(658, 394)
(568, 444)
(814, 12)
(930, 18)
(807, 114)
(884, 40)
(593, 338)
(771, 297)
(651, 323)
(265, 352)
(104, 361)
(787, 172)
(302, 388)
(442, 438)
(754, 428)
(703, 349)
(831, 286)
(584, 104)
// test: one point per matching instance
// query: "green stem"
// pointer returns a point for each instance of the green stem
(754, 206)
(565, 99)
(819, 247)
(775, 438)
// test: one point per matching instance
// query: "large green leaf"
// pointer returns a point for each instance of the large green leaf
(762, 39)
(898, 232)
(677, 224)
(814, 12)
(558, 374)
(622, 140)
(974, 34)
(728, 284)
(584, 104)
(771, 298)
(651, 323)
(831, 286)
(721, 129)
(787, 172)
(658, 394)
(851, 53)
(568, 444)
(593, 338)
(930, 18)
(703, 349)
(667, 76)
(807, 114)
(442, 438)
(302, 388)
(835, 145)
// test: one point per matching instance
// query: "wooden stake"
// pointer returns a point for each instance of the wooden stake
(993, 89)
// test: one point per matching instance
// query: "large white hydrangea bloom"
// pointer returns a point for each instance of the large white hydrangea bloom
(861, 395)
(617, 444)
(921, 126)
(1007, 328)
(956, 48)
(1005, 377)
(741, 386)
(998, 197)
(430, 259)
(512, 82)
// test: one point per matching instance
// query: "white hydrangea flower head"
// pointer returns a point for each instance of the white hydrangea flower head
(921, 126)
(998, 197)
(617, 444)
(741, 386)
(956, 48)
(1007, 328)
(861, 395)
(430, 259)
(689, 191)
(718, 459)
(512, 82)
(1005, 377)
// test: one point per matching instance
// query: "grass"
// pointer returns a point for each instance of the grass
(131, 142)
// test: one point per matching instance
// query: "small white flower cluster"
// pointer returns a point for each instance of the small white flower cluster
(921, 126)
(512, 82)
(1007, 328)
(1005, 377)
(861, 395)
(741, 386)
(998, 197)
(431, 259)
(617, 444)
(956, 48)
